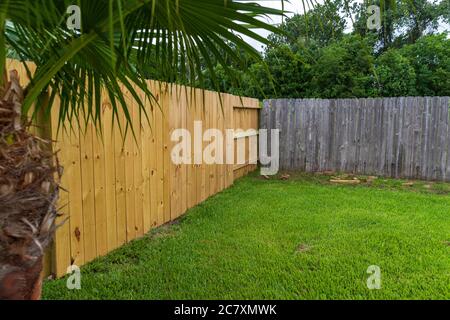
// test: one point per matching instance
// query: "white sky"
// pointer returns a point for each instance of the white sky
(294, 6)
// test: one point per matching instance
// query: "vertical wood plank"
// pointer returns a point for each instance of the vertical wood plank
(175, 169)
(110, 176)
(120, 179)
(76, 197)
(166, 152)
(62, 247)
(191, 169)
(146, 169)
(153, 151)
(100, 194)
(130, 190)
(87, 179)
(159, 137)
(184, 111)
(138, 174)
(201, 168)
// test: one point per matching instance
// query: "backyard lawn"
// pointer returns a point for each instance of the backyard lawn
(301, 238)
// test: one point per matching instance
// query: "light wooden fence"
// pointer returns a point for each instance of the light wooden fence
(396, 137)
(119, 190)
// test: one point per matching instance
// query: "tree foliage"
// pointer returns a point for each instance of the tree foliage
(317, 57)
(430, 58)
(323, 24)
(343, 70)
(395, 75)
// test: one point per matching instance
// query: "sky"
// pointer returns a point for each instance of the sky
(293, 6)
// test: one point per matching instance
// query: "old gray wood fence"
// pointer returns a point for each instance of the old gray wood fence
(405, 137)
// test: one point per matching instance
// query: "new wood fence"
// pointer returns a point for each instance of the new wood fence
(395, 137)
(119, 190)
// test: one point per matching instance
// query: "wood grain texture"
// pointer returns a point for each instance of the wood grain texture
(119, 189)
(403, 137)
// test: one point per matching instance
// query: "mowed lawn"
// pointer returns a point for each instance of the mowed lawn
(302, 238)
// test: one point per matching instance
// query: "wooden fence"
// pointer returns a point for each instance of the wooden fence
(119, 190)
(396, 137)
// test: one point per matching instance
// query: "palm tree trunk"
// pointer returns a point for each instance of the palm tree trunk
(28, 196)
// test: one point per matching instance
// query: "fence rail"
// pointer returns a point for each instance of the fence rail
(396, 137)
(119, 190)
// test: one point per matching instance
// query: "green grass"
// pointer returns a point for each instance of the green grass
(303, 238)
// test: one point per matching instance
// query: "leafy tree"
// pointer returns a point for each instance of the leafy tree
(322, 24)
(418, 18)
(395, 75)
(344, 69)
(349, 65)
(430, 58)
(288, 72)
(230, 74)
(403, 21)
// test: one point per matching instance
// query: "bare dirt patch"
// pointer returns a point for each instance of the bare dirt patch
(302, 248)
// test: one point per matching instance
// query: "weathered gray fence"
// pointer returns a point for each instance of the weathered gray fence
(395, 137)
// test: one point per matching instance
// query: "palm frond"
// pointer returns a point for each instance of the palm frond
(118, 40)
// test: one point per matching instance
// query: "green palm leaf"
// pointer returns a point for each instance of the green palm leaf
(118, 41)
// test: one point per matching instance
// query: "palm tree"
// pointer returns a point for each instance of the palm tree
(117, 40)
